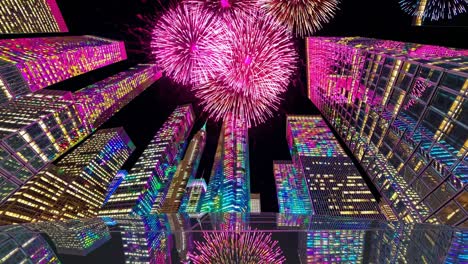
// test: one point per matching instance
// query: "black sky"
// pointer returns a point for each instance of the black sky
(145, 115)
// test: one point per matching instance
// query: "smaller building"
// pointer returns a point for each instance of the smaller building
(255, 204)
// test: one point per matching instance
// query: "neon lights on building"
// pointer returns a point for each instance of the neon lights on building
(148, 180)
(34, 130)
(30, 64)
(403, 119)
(229, 186)
(32, 16)
(334, 185)
(99, 101)
(291, 189)
(194, 196)
(76, 187)
(186, 171)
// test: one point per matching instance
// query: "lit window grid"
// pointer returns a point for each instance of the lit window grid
(289, 187)
(34, 16)
(409, 69)
(46, 61)
(342, 246)
(154, 169)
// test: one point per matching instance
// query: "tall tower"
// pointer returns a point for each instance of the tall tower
(291, 188)
(101, 100)
(334, 184)
(32, 16)
(30, 64)
(76, 187)
(153, 171)
(194, 195)
(34, 130)
(400, 108)
(229, 186)
(186, 170)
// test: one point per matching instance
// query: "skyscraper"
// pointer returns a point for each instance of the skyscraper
(229, 186)
(32, 16)
(186, 170)
(30, 64)
(400, 109)
(19, 244)
(291, 189)
(255, 203)
(149, 177)
(334, 184)
(34, 130)
(99, 101)
(76, 187)
(194, 195)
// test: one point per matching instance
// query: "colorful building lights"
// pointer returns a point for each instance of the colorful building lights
(76, 187)
(403, 119)
(30, 64)
(32, 16)
(148, 180)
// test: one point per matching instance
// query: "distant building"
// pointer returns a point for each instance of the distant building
(30, 64)
(255, 204)
(32, 16)
(400, 109)
(34, 131)
(186, 171)
(148, 180)
(229, 186)
(334, 185)
(76, 187)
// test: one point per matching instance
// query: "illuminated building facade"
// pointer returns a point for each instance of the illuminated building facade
(255, 203)
(291, 189)
(118, 179)
(34, 130)
(334, 184)
(32, 16)
(76, 237)
(150, 176)
(186, 170)
(229, 186)
(99, 101)
(193, 197)
(30, 64)
(19, 244)
(76, 187)
(399, 107)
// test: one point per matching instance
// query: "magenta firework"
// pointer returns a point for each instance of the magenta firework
(237, 247)
(227, 9)
(189, 43)
(434, 9)
(304, 17)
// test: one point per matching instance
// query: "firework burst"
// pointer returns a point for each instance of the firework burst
(188, 43)
(434, 9)
(304, 17)
(227, 9)
(237, 247)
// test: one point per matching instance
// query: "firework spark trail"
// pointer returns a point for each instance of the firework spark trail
(303, 17)
(435, 9)
(189, 44)
(227, 9)
(237, 247)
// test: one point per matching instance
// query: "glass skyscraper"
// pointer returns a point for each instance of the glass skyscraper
(99, 101)
(194, 195)
(334, 185)
(32, 16)
(30, 64)
(76, 187)
(35, 130)
(400, 108)
(229, 185)
(149, 178)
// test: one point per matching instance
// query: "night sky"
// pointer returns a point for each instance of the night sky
(145, 115)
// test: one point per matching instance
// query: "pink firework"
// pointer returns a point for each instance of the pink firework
(304, 17)
(237, 247)
(189, 43)
(227, 9)
(261, 57)
(220, 100)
